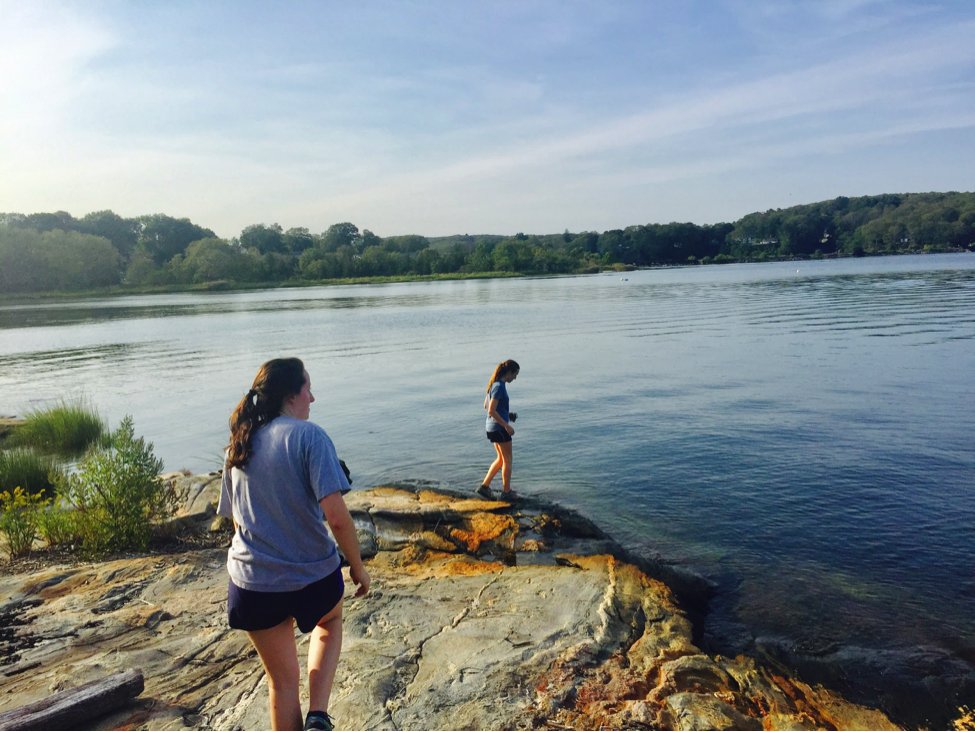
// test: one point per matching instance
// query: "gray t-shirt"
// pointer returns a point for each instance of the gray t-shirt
(281, 543)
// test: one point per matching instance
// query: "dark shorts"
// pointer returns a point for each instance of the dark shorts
(253, 610)
(499, 436)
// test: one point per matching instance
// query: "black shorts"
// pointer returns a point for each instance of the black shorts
(499, 436)
(253, 610)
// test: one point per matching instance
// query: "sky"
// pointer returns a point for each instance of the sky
(454, 117)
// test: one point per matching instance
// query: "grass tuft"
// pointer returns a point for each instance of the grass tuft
(67, 428)
(25, 468)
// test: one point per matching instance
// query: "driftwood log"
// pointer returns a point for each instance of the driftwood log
(72, 708)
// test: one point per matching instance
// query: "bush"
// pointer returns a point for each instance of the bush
(58, 526)
(24, 468)
(18, 520)
(68, 427)
(118, 494)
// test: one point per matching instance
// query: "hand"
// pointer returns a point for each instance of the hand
(511, 430)
(360, 577)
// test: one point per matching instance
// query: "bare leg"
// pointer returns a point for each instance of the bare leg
(276, 647)
(495, 466)
(504, 450)
(323, 658)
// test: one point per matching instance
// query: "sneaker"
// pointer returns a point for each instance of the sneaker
(485, 490)
(319, 720)
(509, 495)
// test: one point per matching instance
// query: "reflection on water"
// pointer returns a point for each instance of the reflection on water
(803, 437)
(50, 313)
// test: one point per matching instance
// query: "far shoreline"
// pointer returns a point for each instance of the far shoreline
(226, 286)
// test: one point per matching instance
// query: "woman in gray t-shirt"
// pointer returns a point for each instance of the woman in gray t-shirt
(281, 478)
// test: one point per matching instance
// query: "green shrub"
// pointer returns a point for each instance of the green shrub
(24, 468)
(58, 526)
(118, 494)
(68, 427)
(18, 520)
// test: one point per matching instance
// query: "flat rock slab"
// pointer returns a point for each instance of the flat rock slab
(477, 619)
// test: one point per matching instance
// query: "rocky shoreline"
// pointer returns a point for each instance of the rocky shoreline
(483, 615)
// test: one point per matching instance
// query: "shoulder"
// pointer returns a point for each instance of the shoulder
(305, 431)
(497, 388)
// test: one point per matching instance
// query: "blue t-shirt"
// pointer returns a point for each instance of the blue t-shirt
(281, 543)
(499, 392)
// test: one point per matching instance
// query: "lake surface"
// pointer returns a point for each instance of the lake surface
(802, 432)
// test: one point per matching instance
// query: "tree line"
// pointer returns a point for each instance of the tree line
(51, 252)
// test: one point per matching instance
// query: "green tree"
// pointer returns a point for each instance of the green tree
(213, 259)
(374, 262)
(42, 222)
(450, 261)
(264, 238)
(370, 240)
(408, 244)
(143, 271)
(274, 267)
(297, 240)
(480, 260)
(122, 233)
(162, 237)
(513, 255)
(55, 260)
(427, 261)
(340, 235)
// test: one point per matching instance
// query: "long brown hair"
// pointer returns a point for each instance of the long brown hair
(503, 369)
(276, 380)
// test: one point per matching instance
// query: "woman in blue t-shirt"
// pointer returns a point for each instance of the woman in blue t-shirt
(499, 429)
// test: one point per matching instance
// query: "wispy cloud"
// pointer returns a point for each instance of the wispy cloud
(858, 84)
(426, 120)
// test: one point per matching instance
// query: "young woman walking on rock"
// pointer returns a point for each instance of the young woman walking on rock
(280, 479)
(498, 426)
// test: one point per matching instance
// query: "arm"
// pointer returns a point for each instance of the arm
(493, 411)
(340, 521)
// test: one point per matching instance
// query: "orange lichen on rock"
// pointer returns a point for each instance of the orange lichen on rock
(660, 680)
(966, 721)
(482, 527)
(461, 505)
(431, 540)
(461, 566)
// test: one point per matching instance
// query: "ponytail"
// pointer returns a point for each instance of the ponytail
(276, 380)
(503, 369)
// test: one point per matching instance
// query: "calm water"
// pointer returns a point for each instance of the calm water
(803, 437)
